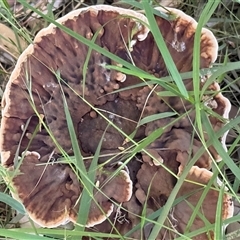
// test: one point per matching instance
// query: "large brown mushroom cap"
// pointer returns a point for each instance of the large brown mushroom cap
(34, 120)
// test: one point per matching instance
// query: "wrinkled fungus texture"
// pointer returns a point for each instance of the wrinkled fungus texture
(106, 105)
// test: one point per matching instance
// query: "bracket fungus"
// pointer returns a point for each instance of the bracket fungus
(105, 104)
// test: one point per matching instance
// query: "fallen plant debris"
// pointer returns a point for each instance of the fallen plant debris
(106, 104)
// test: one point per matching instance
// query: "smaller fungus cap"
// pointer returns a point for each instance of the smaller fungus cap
(194, 184)
(154, 190)
(51, 202)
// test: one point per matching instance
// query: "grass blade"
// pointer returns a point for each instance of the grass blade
(163, 49)
(12, 202)
(14, 234)
(156, 117)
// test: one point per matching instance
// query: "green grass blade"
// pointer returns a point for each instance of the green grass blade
(78, 156)
(87, 193)
(79, 163)
(5, 198)
(218, 71)
(204, 17)
(155, 117)
(163, 49)
(218, 224)
(63, 234)
(15, 234)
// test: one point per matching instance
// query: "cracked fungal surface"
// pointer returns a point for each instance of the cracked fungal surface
(104, 104)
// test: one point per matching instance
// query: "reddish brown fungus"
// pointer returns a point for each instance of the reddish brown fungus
(107, 105)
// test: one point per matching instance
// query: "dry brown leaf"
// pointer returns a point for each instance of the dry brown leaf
(10, 43)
